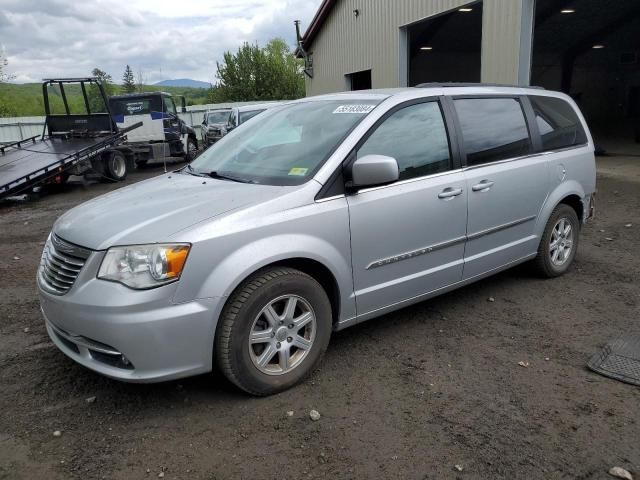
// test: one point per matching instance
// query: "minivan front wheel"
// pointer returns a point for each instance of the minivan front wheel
(559, 242)
(273, 331)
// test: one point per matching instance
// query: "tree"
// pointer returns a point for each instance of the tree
(5, 108)
(254, 73)
(95, 99)
(140, 80)
(4, 76)
(128, 81)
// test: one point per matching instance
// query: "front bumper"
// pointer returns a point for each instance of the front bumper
(134, 336)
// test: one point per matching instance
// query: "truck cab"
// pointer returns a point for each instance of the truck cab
(162, 134)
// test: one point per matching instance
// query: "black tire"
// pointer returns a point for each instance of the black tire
(192, 150)
(543, 263)
(116, 166)
(232, 347)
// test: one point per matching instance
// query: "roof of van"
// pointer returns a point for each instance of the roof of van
(436, 89)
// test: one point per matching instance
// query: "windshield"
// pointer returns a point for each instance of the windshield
(285, 145)
(219, 117)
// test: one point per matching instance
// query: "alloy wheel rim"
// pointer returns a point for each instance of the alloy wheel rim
(561, 243)
(282, 335)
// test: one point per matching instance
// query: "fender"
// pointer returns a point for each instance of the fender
(569, 187)
(243, 262)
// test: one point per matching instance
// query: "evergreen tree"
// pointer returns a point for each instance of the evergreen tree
(128, 81)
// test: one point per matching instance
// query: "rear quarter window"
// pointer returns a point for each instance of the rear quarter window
(557, 122)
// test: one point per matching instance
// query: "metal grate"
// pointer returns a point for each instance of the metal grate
(60, 265)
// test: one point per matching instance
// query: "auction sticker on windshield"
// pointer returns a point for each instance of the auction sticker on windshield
(298, 171)
(354, 109)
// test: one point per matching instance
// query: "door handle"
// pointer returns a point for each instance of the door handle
(449, 193)
(483, 186)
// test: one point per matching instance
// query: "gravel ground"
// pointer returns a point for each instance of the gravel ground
(432, 391)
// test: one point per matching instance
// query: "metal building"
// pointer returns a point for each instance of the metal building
(350, 36)
(589, 49)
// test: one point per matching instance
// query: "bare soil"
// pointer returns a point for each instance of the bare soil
(410, 395)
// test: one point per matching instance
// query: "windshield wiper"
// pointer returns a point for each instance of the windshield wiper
(224, 176)
(192, 171)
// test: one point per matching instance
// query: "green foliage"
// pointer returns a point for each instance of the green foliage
(23, 100)
(5, 108)
(128, 81)
(96, 102)
(254, 73)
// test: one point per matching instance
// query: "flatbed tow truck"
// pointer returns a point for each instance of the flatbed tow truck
(70, 144)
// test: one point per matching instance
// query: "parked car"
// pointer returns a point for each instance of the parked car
(214, 123)
(239, 115)
(162, 134)
(315, 216)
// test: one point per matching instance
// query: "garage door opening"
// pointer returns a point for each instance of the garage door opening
(446, 48)
(590, 49)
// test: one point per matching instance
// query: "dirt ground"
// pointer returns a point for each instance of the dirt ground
(430, 392)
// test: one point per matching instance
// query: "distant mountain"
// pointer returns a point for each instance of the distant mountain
(183, 82)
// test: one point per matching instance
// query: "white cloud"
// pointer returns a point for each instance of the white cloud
(166, 39)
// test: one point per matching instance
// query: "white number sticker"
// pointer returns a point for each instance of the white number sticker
(354, 109)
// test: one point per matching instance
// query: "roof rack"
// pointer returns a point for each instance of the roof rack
(470, 84)
(79, 79)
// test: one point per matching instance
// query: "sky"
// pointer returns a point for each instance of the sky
(163, 39)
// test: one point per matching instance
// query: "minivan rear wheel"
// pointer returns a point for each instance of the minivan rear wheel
(559, 242)
(273, 331)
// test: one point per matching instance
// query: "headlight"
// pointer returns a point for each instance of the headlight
(144, 266)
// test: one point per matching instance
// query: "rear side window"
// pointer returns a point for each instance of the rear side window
(558, 123)
(493, 129)
(416, 137)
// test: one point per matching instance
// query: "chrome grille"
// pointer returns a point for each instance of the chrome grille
(60, 265)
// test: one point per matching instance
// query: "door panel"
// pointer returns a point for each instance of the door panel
(406, 240)
(507, 183)
(502, 217)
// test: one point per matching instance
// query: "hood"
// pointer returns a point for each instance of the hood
(152, 210)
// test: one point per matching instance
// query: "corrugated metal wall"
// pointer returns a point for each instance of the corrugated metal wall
(347, 44)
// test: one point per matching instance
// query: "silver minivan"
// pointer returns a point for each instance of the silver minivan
(314, 216)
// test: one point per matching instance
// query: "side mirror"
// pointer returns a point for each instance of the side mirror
(373, 170)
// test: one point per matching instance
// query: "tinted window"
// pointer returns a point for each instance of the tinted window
(558, 123)
(244, 116)
(135, 105)
(416, 137)
(492, 129)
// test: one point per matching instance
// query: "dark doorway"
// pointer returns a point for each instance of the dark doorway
(446, 48)
(590, 49)
(359, 80)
